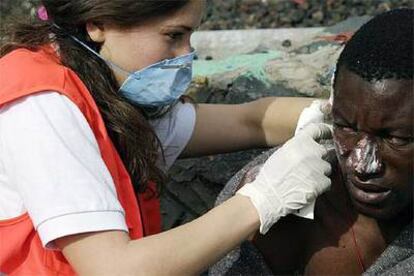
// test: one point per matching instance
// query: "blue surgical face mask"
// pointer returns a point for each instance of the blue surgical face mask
(157, 85)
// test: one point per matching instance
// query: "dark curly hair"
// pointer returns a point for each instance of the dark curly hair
(382, 48)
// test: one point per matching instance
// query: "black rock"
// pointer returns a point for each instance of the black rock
(286, 43)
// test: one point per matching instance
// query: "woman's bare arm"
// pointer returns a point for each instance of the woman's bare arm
(230, 127)
(185, 250)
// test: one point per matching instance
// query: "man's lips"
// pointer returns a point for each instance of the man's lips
(368, 193)
(369, 186)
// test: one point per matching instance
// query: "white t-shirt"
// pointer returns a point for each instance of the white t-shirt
(51, 167)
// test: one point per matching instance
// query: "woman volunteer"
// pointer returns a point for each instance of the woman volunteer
(91, 115)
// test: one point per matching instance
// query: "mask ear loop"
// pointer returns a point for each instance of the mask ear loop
(88, 48)
(94, 52)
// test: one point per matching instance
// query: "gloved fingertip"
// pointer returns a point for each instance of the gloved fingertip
(327, 169)
(326, 131)
(319, 131)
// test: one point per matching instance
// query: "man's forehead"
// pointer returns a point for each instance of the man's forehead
(350, 85)
(391, 100)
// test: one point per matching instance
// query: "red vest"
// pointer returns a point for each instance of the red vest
(22, 73)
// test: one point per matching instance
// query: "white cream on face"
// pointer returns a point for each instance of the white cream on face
(340, 147)
(364, 158)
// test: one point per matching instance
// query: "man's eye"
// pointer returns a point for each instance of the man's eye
(399, 141)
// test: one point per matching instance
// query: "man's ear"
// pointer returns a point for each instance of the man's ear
(96, 32)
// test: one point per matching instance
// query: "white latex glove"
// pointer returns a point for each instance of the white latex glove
(292, 177)
(317, 112)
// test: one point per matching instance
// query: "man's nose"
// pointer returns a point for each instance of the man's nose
(366, 158)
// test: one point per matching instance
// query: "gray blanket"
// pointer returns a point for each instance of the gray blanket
(397, 259)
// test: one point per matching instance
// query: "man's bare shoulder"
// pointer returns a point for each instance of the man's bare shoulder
(287, 245)
(283, 247)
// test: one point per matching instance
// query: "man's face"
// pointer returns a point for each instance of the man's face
(373, 135)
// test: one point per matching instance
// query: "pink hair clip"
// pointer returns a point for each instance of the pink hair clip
(42, 13)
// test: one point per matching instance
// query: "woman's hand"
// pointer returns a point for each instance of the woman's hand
(292, 177)
(318, 112)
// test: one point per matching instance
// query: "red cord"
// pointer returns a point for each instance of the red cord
(358, 253)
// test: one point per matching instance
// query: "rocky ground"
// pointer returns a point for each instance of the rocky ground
(250, 14)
